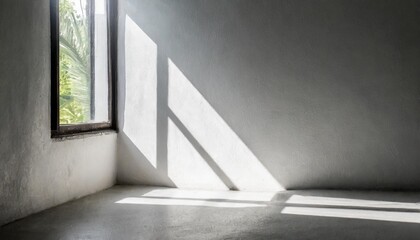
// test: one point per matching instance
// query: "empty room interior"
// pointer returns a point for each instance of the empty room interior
(210, 119)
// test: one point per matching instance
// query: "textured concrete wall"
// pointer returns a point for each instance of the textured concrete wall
(324, 93)
(37, 172)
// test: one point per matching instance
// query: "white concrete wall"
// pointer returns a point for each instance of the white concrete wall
(259, 95)
(37, 172)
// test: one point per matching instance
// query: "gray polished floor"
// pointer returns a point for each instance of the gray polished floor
(124, 212)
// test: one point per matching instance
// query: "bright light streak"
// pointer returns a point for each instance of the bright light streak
(223, 145)
(212, 195)
(140, 113)
(329, 201)
(182, 202)
(186, 167)
(406, 217)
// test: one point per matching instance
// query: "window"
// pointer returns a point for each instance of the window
(83, 67)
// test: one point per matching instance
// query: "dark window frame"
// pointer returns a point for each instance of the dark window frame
(58, 130)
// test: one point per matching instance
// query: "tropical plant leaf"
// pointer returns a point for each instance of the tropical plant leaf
(75, 66)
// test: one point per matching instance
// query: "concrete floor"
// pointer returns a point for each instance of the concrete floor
(124, 212)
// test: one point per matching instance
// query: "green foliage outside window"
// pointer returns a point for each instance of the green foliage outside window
(75, 77)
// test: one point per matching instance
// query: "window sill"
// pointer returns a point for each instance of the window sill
(57, 137)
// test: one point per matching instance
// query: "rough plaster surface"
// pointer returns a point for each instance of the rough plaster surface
(325, 93)
(37, 172)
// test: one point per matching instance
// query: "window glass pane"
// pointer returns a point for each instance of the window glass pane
(101, 62)
(83, 83)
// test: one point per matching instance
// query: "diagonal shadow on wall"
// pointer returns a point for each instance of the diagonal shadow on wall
(179, 143)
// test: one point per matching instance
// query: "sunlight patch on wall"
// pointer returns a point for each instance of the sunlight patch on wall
(407, 217)
(184, 202)
(186, 167)
(215, 136)
(329, 201)
(141, 90)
